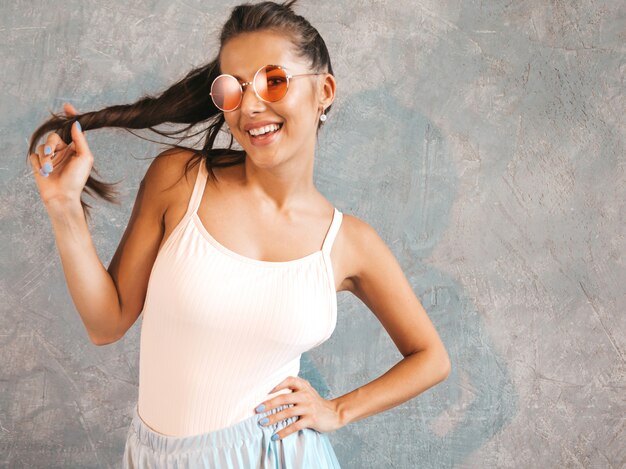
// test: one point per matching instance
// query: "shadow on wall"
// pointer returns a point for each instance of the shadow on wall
(401, 174)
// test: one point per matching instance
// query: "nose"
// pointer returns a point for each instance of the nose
(250, 102)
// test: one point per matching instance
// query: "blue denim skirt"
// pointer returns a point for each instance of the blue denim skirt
(244, 445)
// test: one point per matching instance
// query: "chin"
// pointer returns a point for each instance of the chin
(262, 160)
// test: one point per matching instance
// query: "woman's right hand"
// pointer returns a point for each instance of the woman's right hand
(61, 173)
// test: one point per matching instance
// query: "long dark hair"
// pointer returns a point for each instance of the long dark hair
(188, 101)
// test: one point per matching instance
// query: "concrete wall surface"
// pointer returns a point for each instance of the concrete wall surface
(483, 140)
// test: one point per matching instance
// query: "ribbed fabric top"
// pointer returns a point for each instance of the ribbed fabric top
(220, 329)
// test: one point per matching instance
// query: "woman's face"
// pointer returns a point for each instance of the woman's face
(297, 112)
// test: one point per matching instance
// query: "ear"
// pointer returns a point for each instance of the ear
(326, 90)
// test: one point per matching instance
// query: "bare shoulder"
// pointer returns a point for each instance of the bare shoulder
(164, 178)
(168, 166)
(358, 241)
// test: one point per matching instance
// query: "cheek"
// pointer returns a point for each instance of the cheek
(297, 116)
(229, 124)
(228, 116)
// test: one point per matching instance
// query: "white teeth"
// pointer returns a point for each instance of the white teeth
(263, 130)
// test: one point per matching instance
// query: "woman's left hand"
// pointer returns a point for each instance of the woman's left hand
(314, 411)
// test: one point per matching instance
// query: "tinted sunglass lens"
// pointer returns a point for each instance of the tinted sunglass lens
(226, 93)
(271, 83)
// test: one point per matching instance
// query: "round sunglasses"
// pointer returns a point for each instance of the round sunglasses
(270, 84)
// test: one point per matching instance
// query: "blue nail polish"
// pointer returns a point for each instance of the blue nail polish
(80, 129)
(43, 173)
(264, 420)
(275, 437)
(47, 167)
(47, 150)
(260, 408)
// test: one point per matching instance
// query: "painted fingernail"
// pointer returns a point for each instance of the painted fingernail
(47, 150)
(264, 420)
(43, 173)
(47, 167)
(275, 437)
(80, 129)
(260, 408)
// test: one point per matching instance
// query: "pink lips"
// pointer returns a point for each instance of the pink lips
(265, 140)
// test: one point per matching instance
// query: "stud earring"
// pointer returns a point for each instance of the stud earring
(323, 117)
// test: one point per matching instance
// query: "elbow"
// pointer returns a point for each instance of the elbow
(104, 342)
(106, 338)
(99, 341)
(446, 370)
(439, 365)
(446, 367)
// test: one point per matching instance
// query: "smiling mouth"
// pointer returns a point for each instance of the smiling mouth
(269, 130)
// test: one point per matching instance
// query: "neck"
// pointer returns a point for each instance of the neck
(284, 185)
(281, 187)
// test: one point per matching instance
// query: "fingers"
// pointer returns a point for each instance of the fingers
(79, 140)
(44, 154)
(47, 153)
(43, 160)
(282, 412)
(34, 162)
(69, 109)
(293, 419)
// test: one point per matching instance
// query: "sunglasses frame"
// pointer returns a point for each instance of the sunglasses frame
(242, 85)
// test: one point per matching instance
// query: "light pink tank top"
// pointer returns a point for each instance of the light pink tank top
(220, 330)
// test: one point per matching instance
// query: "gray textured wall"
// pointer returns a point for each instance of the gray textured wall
(483, 140)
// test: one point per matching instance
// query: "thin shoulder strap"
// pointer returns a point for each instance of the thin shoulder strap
(198, 189)
(332, 231)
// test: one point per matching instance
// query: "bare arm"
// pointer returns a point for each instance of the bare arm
(60, 186)
(382, 286)
(134, 258)
(90, 286)
(109, 301)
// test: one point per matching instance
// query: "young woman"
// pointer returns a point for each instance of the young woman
(236, 268)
